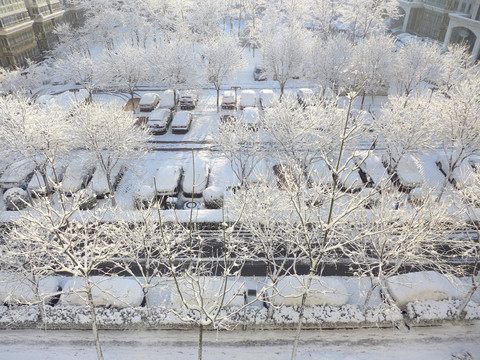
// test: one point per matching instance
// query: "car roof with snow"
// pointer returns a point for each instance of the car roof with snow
(148, 98)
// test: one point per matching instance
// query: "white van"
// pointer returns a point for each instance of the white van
(195, 178)
(248, 98)
(169, 97)
(149, 102)
(159, 120)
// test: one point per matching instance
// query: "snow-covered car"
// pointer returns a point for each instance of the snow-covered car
(167, 180)
(99, 182)
(248, 98)
(305, 96)
(250, 118)
(159, 120)
(259, 74)
(149, 102)
(168, 99)
(181, 122)
(76, 177)
(17, 174)
(228, 100)
(195, 177)
(188, 100)
(267, 97)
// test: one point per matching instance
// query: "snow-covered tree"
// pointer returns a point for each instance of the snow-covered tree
(82, 69)
(330, 63)
(311, 214)
(395, 237)
(26, 80)
(124, 70)
(241, 146)
(111, 136)
(66, 241)
(415, 67)
(284, 50)
(365, 17)
(405, 128)
(370, 66)
(323, 16)
(222, 57)
(458, 124)
(40, 134)
(175, 64)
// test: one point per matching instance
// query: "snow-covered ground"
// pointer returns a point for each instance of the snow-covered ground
(447, 342)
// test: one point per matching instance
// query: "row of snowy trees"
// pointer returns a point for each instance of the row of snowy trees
(188, 44)
(299, 217)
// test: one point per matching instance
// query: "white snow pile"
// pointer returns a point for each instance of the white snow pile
(114, 292)
(18, 289)
(421, 286)
(322, 291)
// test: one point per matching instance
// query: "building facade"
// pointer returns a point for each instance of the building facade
(17, 38)
(26, 29)
(448, 21)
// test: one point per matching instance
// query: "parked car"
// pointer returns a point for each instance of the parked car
(305, 96)
(169, 99)
(267, 97)
(248, 98)
(149, 102)
(188, 100)
(259, 74)
(17, 174)
(181, 122)
(167, 180)
(228, 100)
(195, 177)
(159, 120)
(76, 177)
(99, 180)
(251, 118)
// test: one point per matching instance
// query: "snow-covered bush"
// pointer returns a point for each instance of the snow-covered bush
(15, 199)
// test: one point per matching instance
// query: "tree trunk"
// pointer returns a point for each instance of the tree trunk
(218, 99)
(200, 342)
(91, 305)
(301, 314)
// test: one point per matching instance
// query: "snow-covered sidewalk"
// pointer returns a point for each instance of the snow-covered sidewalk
(443, 342)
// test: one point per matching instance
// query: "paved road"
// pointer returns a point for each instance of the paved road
(446, 342)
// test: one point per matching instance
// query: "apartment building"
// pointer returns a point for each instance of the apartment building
(456, 21)
(45, 14)
(17, 38)
(26, 29)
